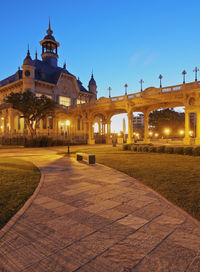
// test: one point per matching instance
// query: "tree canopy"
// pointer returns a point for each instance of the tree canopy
(167, 118)
(31, 107)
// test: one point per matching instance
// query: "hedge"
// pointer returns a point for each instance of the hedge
(182, 150)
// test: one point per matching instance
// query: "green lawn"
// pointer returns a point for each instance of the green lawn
(176, 177)
(18, 180)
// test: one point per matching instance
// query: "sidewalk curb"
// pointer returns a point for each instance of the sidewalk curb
(26, 205)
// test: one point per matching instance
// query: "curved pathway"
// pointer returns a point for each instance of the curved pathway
(93, 218)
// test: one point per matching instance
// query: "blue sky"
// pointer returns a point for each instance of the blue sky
(121, 40)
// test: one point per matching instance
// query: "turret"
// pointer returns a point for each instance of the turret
(28, 73)
(49, 48)
(92, 87)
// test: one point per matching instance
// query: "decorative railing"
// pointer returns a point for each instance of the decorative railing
(151, 92)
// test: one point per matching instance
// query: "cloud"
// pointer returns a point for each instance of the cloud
(150, 59)
(136, 56)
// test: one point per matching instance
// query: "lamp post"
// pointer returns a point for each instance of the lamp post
(184, 73)
(109, 89)
(68, 124)
(160, 77)
(141, 81)
(126, 86)
(196, 70)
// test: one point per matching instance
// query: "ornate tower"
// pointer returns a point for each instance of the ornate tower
(49, 48)
(92, 87)
(28, 73)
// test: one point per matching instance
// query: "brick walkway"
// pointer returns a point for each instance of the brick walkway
(93, 218)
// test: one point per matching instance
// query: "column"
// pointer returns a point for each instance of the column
(108, 139)
(197, 139)
(11, 117)
(130, 139)
(91, 133)
(186, 140)
(146, 127)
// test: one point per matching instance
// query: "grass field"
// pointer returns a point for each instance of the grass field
(18, 180)
(176, 177)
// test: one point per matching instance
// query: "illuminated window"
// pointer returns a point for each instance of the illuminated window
(40, 94)
(66, 101)
(81, 101)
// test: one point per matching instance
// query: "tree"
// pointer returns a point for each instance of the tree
(32, 108)
(167, 118)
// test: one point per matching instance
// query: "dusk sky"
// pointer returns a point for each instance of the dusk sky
(122, 41)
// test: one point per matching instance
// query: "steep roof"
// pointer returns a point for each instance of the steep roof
(43, 72)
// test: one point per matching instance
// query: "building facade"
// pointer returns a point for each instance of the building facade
(44, 77)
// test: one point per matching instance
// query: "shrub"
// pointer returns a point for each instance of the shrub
(140, 148)
(169, 149)
(125, 147)
(152, 149)
(145, 148)
(179, 150)
(196, 151)
(134, 147)
(160, 149)
(188, 150)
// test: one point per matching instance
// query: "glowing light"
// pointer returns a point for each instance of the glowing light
(67, 123)
(156, 134)
(2, 118)
(150, 133)
(181, 132)
(190, 132)
(167, 131)
(137, 134)
(62, 124)
(119, 134)
(1, 127)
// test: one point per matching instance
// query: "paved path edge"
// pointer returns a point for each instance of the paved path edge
(22, 210)
(158, 194)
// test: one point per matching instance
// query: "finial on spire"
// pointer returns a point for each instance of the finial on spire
(64, 65)
(36, 53)
(49, 31)
(28, 52)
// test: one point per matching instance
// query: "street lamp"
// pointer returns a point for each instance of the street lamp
(160, 77)
(167, 131)
(181, 132)
(109, 89)
(150, 133)
(184, 73)
(196, 70)
(68, 124)
(126, 86)
(141, 81)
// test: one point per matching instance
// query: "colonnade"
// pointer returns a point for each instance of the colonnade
(8, 126)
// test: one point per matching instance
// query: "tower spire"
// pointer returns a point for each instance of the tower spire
(49, 31)
(36, 53)
(28, 52)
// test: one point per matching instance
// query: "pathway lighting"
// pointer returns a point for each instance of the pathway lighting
(109, 89)
(160, 77)
(181, 132)
(126, 86)
(196, 70)
(68, 124)
(184, 73)
(167, 131)
(141, 81)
